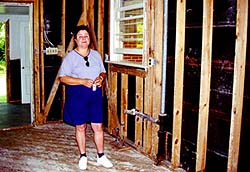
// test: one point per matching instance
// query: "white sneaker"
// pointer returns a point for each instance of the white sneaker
(104, 161)
(83, 163)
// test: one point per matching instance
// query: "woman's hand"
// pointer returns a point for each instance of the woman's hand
(98, 81)
(87, 82)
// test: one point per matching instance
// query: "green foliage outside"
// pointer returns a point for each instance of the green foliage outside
(2, 56)
(2, 47)
(2, 98)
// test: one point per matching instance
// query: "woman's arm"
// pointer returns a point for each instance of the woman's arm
(76, 81)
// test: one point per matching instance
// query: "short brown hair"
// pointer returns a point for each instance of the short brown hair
(78, 28)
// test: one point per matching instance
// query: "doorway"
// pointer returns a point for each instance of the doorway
(15, 109)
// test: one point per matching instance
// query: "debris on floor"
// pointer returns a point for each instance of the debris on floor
(52, 147)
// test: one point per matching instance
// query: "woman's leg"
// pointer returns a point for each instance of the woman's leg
(98, 136)
(81, 137)
(99, 141)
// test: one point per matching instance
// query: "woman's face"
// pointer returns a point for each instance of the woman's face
(82, 39)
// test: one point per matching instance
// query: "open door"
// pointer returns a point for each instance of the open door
(25, 62)
(18, 59)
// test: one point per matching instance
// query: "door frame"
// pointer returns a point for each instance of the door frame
(6, 19)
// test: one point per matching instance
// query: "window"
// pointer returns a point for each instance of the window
(127, 33)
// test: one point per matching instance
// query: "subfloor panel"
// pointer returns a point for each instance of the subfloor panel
(52, 147)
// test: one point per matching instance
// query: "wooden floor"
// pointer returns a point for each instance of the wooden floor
(52, 148)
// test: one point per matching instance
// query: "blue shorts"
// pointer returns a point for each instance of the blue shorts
(82, 105)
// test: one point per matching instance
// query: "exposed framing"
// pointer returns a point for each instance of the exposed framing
(149, 83)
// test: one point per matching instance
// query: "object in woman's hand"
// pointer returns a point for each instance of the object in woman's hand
(94, 87)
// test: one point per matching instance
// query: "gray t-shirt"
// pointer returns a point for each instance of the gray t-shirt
(74, 65)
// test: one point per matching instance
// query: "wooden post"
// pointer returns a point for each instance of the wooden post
(113, 121)
(62, 48)
(100, 32)
(85, 8)
(238, 84)
(91, 22)
(36, 64)
(206, 59)
(178, 82)
(148, 109)
(139, 106)
(124, 105)
(156, 17)
(7, 44)
(42, 55)
(149, 82)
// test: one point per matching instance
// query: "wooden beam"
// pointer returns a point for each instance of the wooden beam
(63, 25)
(41, 24)
(7, 52)
(238, 84)
(124, 105)
(113, 121)
(139, 107)
(91, 22)
(149, 80)
(100, 31)
(206, 60)
(62, 48)
(156, 17)
(128, 70)
(148, 109)
(36, 64)
(85, 8)
(178, 82)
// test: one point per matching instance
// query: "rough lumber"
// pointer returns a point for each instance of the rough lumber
(156, 16)
(113, 121)
(62, 48)
(36, 65)
(238, 84)
(42, 98)
(204, 85)
(8, 60)
(124, 105)
(139, 107)
(100, 32)
(129, 71)
(178, 82)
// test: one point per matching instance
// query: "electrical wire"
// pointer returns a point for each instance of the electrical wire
(47, 42)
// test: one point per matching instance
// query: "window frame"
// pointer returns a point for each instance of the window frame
(116, 53)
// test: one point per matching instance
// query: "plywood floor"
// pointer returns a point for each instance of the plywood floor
(52, 148)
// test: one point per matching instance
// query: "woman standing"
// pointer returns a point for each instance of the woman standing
(83, 72)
